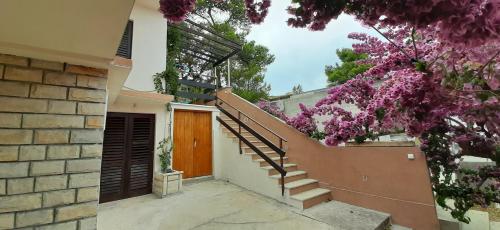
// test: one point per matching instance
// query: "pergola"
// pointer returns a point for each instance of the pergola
(204, 44)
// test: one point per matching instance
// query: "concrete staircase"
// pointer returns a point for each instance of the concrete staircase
(300, 191)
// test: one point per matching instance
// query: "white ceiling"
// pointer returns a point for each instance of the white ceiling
(84, 31)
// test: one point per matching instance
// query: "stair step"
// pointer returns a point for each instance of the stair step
(291, 176)
(300, 186)
(299, 183)
(284, 165)
(263, 162)
(259, 146)
(312, 197)
(235, 128)
(272, 158)
(345, 216)
(272, 171)
(265, 152)
(255, 156)
(310, 194)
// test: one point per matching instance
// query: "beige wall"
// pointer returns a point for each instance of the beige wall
(51, 120)
(380, 178)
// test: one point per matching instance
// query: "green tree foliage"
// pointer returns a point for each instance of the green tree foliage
(249, 66)
(166, 81)
(247, 72)
(297, 89)
(349, 68)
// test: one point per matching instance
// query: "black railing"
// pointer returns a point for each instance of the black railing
(207, 89)
(279, 150)
(281, 139)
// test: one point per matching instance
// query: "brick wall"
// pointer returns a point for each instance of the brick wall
(51, 120)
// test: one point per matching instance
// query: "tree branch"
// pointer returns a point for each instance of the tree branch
(488, 62)
(456, 121)
(414, 45)
(201, 16)
(211, 17)
(400, 48)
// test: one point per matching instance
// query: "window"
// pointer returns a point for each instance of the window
(125, 48)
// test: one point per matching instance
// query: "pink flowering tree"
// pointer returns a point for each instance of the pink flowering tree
(440, 73)
(442, 93)
(273, 109)
(304, 121)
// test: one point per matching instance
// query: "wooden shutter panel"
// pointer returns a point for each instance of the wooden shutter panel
(141, 155)
(113, 159)
(127, 160)
(125, 48)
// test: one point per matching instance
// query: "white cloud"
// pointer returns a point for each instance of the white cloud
(301, 55)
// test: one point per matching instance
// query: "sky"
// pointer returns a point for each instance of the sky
(301, 54)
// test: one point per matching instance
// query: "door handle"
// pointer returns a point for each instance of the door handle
(195, 143)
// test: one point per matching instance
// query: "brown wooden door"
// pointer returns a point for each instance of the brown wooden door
(183, 142)
(127, 161)
(193, 143)
(202, 152)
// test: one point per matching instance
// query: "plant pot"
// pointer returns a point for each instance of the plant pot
(167, 183)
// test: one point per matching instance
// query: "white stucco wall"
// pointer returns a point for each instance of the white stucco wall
(148, 45)
(240, 169)
(162, 119)
(291, 108)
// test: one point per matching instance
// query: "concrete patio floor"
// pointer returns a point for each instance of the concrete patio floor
(205, 205)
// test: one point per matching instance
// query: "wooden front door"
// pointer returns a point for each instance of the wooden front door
(127, 159)
(193, 143)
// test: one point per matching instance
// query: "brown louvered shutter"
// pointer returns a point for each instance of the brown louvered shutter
(141, 155)
(113, 158)
(125, 48)
(127, 161)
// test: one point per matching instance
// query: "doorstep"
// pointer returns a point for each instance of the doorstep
(197, 179)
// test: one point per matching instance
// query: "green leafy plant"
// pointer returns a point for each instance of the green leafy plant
(348, 69)
(165, 147)
(166, 82)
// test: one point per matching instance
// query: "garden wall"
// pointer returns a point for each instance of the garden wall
(382, 178)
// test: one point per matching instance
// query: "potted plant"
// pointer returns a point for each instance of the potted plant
(166, 181)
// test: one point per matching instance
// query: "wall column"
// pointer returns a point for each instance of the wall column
(51, 132)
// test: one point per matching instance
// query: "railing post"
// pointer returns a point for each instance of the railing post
(281, 164)
(282, 184)
(239, 129)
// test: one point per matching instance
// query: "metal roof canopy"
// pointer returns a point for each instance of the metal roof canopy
(205, 44)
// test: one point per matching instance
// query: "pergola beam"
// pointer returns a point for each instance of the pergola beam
(203, 50)
(205, 44)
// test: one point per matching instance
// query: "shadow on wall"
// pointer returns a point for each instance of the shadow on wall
(382, 178)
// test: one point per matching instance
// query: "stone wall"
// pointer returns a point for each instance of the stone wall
(51, 131)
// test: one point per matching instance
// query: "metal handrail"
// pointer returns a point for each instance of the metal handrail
(278, 150)
(273, 164)
(275, 134)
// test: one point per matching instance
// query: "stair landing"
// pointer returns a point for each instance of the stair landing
(345, 216)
